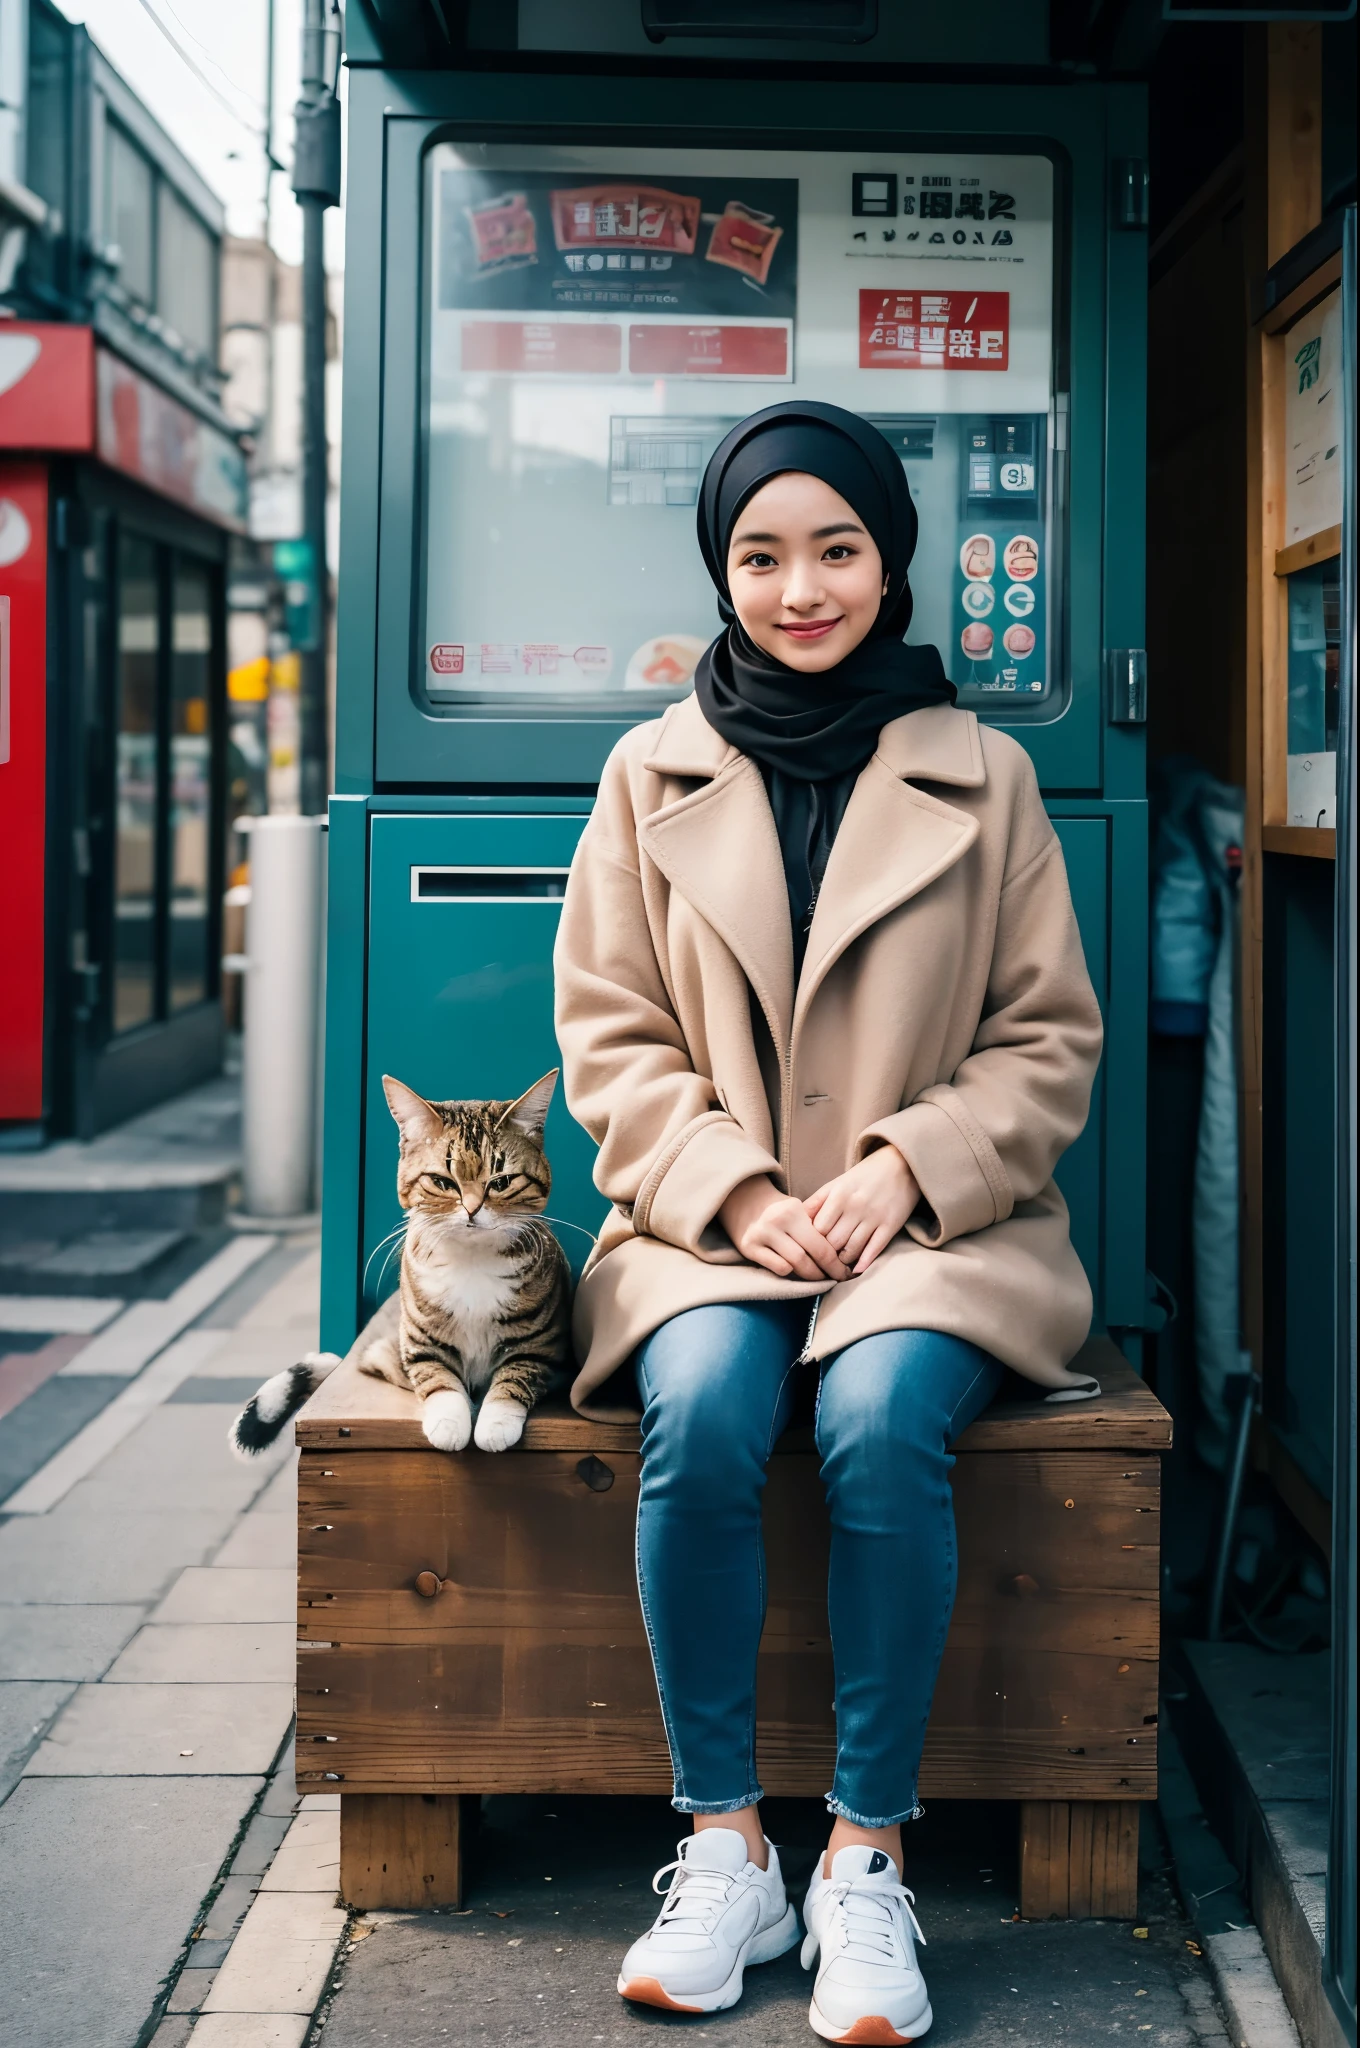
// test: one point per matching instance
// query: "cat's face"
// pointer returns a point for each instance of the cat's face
(472, 1166)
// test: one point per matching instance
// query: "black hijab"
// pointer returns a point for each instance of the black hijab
(811, 734)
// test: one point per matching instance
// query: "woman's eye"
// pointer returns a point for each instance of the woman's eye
(499, 1184)
(838, 552)
(759, 562)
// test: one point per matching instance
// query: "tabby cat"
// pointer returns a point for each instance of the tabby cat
(484, 1309)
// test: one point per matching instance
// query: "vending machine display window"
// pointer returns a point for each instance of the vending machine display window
(1314, 675)
(596, 319)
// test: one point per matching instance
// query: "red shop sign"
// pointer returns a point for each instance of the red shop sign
(916, 330)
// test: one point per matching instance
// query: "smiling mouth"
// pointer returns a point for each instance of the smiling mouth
(812, 629)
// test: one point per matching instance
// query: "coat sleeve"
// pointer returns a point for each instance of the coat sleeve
(992, 1136)
(669, 1153)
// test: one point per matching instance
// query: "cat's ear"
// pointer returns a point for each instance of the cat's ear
(416, 1120)
(530, 1113)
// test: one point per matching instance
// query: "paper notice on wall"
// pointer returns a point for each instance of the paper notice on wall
(1312, 416)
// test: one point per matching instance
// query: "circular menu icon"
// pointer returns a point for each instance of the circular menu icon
(1021, 558)
(977, 556)
(976, 642)
(1019, 600)
(1018, 641)
(978, 599)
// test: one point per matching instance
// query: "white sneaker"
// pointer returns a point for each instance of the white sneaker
(721, 1913)
(868, 1987)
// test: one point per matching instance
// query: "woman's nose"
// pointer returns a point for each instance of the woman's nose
(802, 590)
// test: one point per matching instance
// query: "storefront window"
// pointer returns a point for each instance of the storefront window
(1314, 669)
(136, 785)
(190, 783)
(597, 320)
(187, 272)
(129, 189)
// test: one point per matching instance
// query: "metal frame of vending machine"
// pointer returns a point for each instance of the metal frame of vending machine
(528, 401)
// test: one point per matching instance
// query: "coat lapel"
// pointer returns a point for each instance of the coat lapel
(717, 846)
(894, 839)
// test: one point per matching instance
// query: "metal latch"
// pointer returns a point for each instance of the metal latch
(1126, 685)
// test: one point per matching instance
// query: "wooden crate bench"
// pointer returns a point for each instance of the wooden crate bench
(470, 1624)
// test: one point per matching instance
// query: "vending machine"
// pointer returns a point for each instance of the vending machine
(563, 290)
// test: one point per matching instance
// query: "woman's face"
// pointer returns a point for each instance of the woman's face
(806, 580)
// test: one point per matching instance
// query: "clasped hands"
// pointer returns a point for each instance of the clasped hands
(836, 1232)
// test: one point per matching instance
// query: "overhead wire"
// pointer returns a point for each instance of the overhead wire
(251, 127)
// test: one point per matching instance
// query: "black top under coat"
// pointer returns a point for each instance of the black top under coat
(811, 734)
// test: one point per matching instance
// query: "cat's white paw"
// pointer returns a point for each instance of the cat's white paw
(500, 1424)
(447, 1419)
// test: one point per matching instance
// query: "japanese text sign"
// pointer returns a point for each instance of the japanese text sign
(922, 330)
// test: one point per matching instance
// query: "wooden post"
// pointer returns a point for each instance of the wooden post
(404, 1850)
(1078, 1860)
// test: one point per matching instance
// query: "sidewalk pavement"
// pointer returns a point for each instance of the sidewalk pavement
(147, 1631)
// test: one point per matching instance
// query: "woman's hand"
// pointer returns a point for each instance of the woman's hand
(861, 1211)
(775, 1231)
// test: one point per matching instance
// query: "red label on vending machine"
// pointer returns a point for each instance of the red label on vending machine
(916, 330)
(571, 347)
(657, 349)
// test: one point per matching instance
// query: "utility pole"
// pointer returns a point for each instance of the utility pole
(316, 183)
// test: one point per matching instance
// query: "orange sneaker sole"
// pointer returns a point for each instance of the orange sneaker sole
(875, 2032)
(646, 1991)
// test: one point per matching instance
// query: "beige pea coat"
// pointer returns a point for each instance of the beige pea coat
(943, 1007)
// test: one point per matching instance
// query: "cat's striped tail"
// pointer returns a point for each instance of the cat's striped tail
(278, 1400)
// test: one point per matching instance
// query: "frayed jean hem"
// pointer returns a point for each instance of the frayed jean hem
(717, 1805)
(864, 1820)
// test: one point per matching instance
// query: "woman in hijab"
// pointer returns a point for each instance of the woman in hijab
(822, 1004)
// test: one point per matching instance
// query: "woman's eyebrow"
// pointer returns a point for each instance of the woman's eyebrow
(741, 540)
(845, 526)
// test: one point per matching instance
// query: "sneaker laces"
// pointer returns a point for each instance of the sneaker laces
(868, 1920)
(694, 1897)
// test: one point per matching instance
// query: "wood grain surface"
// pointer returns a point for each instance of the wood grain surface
(528, 1669)
(352, 1412)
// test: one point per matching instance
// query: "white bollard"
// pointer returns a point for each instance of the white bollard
(282, 985)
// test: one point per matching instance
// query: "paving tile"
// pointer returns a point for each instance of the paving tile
(226, 1313)
(63, 1642)
(281, 1793)
(192, 1988)
(309, 1860)
(293, 1302)
(146, 1327)
(26, 1708)
(280, 1496)
(251, 2030)
(261, 1844)
(78, 1560)
(77, 1459)
(209, 1653)
(320, 1802)
(56, 1312)
(255, 1355)
(260, 1539)
(45, 1420)
(102, 1880)
(180, 1458)
(24, 1370)
(227, 1910)
(282, 1956)
(231, 1593)
(227, 1393)
(173, 2032)
(166, 1730)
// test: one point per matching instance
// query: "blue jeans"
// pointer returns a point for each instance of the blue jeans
(717, 1386)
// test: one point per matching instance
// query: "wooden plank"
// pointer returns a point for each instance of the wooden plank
(1104, 1860)
(1301, 554)
(1045, 1830)
(1304, 296)
(529, 1668)
(352, 1412)
(1313, 842)
(580, 1755)
(1293, 134)
(404, 1851)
